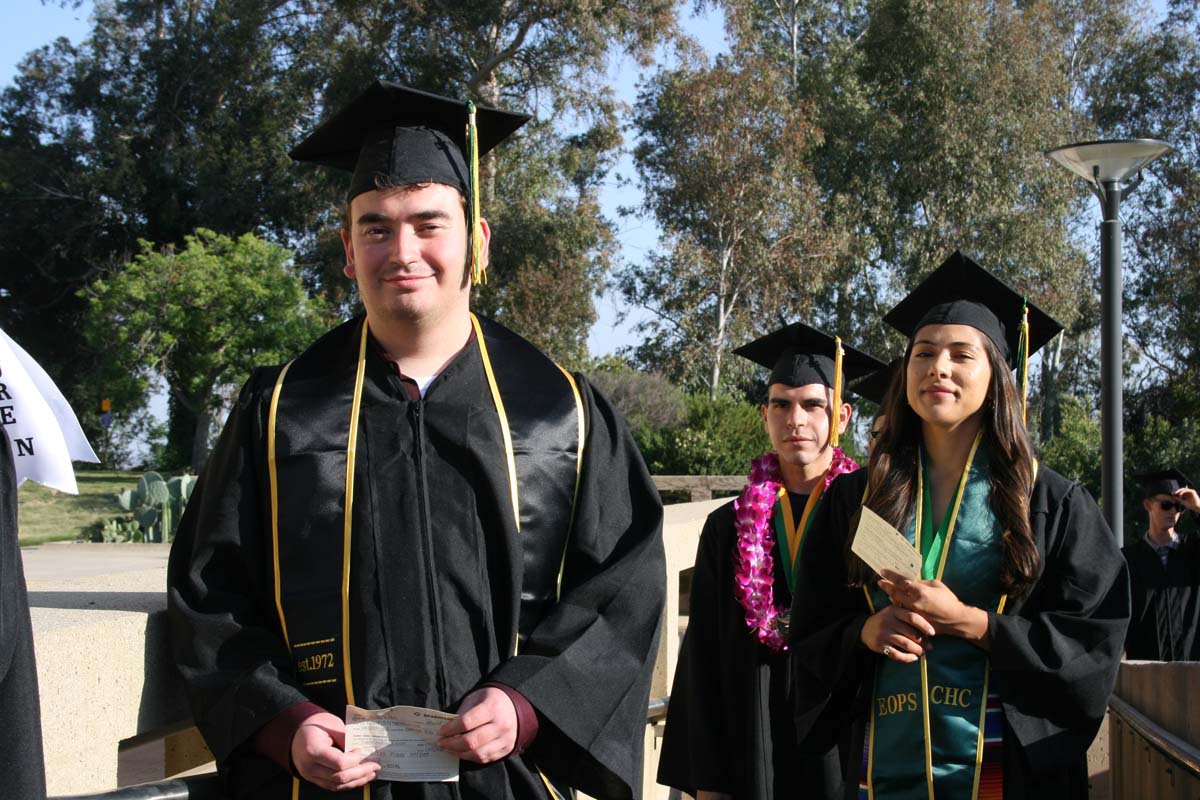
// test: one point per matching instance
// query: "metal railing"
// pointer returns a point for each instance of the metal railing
(196, 787)
(1170, 745)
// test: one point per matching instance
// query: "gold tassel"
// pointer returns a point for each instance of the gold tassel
(835, 422)
(478, 273)
(1023, 361)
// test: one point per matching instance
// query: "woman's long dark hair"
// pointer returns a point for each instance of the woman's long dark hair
(892, 484)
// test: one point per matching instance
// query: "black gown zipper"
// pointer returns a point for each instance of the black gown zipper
(430, 573)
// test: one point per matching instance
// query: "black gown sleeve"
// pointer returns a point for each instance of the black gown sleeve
(225, 632)
(1055, 654)
(702, 745)
(22, 762)
(586, 667)
(829, 664)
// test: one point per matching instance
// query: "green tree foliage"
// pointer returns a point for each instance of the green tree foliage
(1074, 451)
(645, 400)
(170, 117)
(722, 162)
(202, 318)
(1153, 89)
(933, 115)
(718, 437)
(176, 115)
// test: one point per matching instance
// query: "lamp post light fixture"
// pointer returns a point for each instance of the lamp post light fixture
(1113, 169)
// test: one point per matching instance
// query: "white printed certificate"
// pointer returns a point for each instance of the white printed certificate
(883, 547)
(403, 740)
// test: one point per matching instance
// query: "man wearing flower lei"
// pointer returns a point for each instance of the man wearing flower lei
(729, 732)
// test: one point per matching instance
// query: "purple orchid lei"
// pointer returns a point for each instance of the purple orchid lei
(754, 564)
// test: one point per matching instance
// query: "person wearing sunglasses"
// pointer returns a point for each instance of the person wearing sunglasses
(1164, 573)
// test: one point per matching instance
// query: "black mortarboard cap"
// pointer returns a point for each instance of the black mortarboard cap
(404, 136)
(874, 387)
(799, 355)
(1162, 481)
(960, 292)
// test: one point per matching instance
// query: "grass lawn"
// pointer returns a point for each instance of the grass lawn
(47, 515)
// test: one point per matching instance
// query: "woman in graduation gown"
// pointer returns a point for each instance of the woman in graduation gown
(989, 676)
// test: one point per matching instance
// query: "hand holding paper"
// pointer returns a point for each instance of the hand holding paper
(403, 740)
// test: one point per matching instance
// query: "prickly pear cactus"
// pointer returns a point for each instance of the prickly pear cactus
(158, 504)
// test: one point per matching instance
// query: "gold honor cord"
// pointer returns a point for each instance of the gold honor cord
(351, 452)
(987, 678)
(581, 427)
(504, 429)
(506, 434)
(274, 479)
(928, 730)
(348, 517)
(271, 472)
(962, 484)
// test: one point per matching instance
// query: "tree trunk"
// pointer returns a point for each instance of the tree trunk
(200, 438)
(1051, 365)
(487, 164)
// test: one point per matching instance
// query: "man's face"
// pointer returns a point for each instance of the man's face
(407, 251)
(797, 418)
(1162, 518)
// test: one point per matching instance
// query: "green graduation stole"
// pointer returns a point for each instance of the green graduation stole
(927, 718)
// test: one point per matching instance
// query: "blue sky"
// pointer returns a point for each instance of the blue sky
(31, 23)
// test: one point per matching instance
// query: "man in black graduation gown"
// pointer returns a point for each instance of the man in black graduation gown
(21, 760)
(729, 730)
(1164, 574)
(420, 510)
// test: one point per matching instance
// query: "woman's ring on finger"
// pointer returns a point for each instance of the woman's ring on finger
(887, 651)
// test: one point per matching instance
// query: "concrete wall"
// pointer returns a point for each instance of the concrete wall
(113, 712)
(104, 670)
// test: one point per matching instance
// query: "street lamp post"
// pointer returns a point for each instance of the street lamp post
(1113, 169)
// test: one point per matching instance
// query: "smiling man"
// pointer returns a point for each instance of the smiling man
(730, 732)
(420, 510)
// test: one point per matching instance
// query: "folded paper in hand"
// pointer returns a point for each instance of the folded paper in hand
(883, 547)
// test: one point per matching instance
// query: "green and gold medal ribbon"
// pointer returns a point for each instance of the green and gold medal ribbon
(787, 530)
